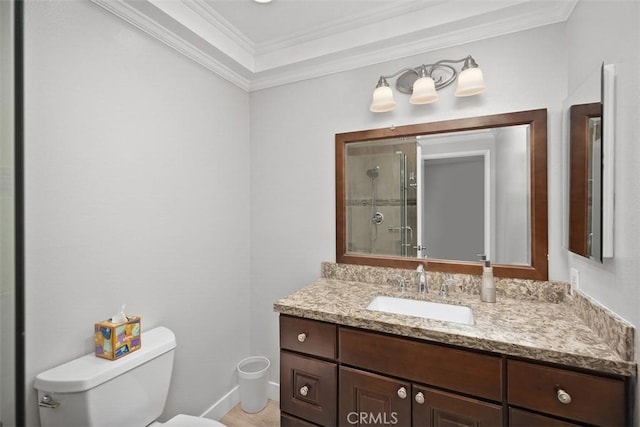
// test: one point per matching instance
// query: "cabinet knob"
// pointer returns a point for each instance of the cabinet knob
(420, 398)
(304, 390)
(564, 397)
(302, 337)
(402, 393)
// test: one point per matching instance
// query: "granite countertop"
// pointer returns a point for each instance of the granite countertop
(543, 331)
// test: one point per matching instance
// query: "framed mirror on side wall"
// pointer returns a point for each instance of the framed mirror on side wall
(590, 160)
(440, 193)
(585, 180)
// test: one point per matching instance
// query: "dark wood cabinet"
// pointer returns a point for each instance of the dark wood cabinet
(520, 418)
(435, 408)
(287, 420)
(337, 375)
(451, 368)
(308, 388)
(368, 399)
(577, 396)
(308, 337)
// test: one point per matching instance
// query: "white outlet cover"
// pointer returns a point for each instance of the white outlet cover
(575, 279)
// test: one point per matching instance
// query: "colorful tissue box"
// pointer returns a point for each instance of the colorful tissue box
(115, 340)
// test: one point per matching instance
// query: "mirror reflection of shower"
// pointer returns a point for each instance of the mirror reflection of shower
(373, 172)
(376, 217)
(380, 202)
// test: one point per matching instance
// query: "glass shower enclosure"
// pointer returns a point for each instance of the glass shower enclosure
(381, 197)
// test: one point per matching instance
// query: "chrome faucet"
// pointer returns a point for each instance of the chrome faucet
(422, 280)
(402, 284)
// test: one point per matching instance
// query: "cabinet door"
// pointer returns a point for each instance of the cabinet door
(433, 408)
(368, 399)
(308, 388)
(287, 420)
(518, 418)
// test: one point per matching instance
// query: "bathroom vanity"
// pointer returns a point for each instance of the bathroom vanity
(523, 362)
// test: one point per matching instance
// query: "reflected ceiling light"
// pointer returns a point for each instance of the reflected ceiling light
(424, 81)
(262, 1)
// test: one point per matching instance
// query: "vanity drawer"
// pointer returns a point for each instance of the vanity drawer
(308, 336)
(289, 421)
(450, 368)
(589, 398)
(308, 388)
(518, 418)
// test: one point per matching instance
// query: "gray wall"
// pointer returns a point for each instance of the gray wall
(525, 70)
(299, 121)
(7, 220)
(608, 31)
(614, 282)
(131, 149)
(137, 192)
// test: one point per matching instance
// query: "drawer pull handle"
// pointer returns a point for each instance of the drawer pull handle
(302, 337)
(402, 393)
(564, 397)
(420, 398)
(304, 390)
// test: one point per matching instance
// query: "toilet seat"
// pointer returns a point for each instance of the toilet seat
(182, 420)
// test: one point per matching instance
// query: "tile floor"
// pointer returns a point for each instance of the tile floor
(268, 417)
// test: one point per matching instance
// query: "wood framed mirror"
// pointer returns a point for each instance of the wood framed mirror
(585, 177)
(378, 221)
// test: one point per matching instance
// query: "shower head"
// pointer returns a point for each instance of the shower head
(373, 172)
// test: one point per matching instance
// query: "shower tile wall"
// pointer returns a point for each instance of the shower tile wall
(363, 235)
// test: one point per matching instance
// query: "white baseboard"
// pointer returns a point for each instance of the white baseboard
(232, 398)
(273, 391)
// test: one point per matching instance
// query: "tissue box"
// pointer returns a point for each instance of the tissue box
(115, 340)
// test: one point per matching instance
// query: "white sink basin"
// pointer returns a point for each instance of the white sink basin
(426, 309)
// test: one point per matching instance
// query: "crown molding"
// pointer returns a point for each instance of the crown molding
(218, 21)
(367, 17)
(161, 32)
(328, 49)
(415, 44)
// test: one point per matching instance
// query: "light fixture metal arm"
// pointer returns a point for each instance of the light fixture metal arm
(404, 70)
(457, 61)
(429, 66)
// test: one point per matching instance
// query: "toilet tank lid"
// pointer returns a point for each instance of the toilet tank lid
(89, 371)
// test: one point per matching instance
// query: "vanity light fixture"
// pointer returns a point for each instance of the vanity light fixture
(262, 1)
(423, 82)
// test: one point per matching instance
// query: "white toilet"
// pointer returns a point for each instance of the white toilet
(94, 392)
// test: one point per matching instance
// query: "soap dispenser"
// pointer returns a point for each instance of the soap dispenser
(422, 280)
(488, 286)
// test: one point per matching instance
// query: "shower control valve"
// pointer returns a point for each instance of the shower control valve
(377, 218)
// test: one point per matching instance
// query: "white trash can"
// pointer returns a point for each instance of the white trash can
(253, 376)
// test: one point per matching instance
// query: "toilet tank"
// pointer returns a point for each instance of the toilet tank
(91, 391)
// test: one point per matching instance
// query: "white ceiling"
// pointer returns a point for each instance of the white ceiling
(257, 46)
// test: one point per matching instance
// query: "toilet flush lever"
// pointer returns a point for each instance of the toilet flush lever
(47, 401)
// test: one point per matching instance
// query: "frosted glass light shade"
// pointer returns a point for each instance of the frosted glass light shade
(424, 91)
(470, 82)
(382, 100)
